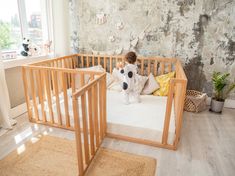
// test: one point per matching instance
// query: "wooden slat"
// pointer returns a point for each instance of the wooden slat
(104, 106)
(85, 128)
(168, 112)
(66, 106)
(26, 93)
(96, 126)
(98, 60)
(74, 61)
(82, 61)
(91, 123)
(55, 85)
(40, 94)
(110, 64)
(71, 63)
(82, 79)
(93, 60)
(155, 68)
(169, 67)
(149, 66)
(105, 63)
(48, 95)
(162, 66)
(100, 95)
(73, 83)
(142, 67)
(33, 91)
(87, 61)
(79, 148)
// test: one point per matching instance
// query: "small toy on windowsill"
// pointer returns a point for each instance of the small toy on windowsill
(47, 47)
(28, 48)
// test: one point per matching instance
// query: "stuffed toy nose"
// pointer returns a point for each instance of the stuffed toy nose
(125, 86)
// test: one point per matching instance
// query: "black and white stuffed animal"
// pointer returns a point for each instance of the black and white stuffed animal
(28, 48)
(129, 87)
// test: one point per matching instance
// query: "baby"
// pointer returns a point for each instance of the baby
(129, 72)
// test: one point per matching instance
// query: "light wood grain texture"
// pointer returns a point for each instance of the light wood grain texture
(91, 121)
(55, 85)
(61, 72)
(96, 123)
(100, 97)
(66, 106)
(48, 95)
(85, 128)
(78, 137)
(40, 94)
(168, 112)
(33, 93)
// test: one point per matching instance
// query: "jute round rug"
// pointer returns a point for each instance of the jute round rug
(50, 156)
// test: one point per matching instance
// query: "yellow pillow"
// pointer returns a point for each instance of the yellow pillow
(164, 82)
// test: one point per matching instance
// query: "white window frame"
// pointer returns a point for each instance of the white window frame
(47, 28)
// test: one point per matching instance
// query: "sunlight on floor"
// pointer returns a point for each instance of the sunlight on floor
(45, 133)
(21, 136)
(21, 149)
(34, 139)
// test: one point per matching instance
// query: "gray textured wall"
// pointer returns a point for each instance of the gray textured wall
(199, 32)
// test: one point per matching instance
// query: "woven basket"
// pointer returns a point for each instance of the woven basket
(195, 101)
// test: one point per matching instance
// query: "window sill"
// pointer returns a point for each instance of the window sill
(11, 63)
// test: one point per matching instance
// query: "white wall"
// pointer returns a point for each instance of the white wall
(60, 15)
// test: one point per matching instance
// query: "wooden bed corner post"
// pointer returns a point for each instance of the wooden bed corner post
(180, 115)
(26, 93)
(168, 112)
(78, 136)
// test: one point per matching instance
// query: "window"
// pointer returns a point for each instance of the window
(26, 18)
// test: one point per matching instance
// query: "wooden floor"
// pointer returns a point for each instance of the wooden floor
(207, 146)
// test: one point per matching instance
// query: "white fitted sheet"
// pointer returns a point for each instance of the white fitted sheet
(149, 114)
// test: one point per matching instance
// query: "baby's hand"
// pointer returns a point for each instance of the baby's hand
(119, 65)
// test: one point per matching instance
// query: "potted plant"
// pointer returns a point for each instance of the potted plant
(222, 88)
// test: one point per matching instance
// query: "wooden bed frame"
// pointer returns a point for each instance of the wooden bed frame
(46, 80)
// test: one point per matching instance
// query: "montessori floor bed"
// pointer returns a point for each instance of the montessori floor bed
(142, 120)
(94, 112)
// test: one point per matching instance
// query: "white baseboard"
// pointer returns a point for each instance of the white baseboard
(18, 110)
(229, 103)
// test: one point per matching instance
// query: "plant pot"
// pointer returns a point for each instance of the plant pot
(216, 106)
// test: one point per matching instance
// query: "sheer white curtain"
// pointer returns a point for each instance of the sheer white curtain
(5, 121)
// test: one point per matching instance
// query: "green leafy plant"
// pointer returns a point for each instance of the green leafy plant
(222, 86)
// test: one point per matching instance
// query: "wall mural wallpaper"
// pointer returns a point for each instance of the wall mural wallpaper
(199, 32)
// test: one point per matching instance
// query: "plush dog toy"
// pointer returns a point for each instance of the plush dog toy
(129, 73)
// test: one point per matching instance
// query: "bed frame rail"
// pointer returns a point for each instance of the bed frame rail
(146, 65)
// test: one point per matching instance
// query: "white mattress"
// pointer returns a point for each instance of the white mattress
(149, 114)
